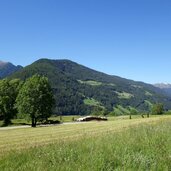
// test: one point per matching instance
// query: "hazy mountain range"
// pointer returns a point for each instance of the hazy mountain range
(165, 87)
(81, 90)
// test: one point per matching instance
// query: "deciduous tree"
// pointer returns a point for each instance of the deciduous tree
(35, 99)
(8, 93)
(158, 109)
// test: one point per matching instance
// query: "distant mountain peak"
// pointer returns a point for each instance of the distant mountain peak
(2, 63)
(163, 85)
(7, 68)
(166, 87)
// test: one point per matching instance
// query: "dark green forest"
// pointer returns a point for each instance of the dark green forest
(79, 90)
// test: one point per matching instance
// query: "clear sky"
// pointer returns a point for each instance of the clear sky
(128, 38)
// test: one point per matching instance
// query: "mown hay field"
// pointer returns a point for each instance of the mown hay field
(137, 144)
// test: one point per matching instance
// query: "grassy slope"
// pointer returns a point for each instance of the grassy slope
(91, 82)
(92, 102)
(124, 95)
(138, 144)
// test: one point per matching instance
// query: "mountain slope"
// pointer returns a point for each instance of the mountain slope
(7, 69)
(81, 90)
(165, 87)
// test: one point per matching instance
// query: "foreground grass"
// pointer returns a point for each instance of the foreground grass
(138, 144)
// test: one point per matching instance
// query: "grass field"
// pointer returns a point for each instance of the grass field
(91, 82)
(122, 144)
(70, 118)
(124, 95)
(92, 102)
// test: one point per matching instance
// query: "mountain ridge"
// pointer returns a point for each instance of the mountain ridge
(81, 90)
(163, 85)
(7, 68)
(2, 63)
(166, 87)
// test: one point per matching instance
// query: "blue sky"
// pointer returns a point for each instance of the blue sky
(128, 38)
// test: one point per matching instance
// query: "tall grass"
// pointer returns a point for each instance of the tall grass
(143, 147)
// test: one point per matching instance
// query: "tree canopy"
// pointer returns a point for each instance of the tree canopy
(35, 99)
(158, 109)
(8, 93)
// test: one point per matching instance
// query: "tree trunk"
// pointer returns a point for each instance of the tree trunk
(33, 124)
(7, 120)
(130, 117)
(60, 118)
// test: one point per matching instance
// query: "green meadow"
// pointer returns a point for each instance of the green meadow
(118, 144)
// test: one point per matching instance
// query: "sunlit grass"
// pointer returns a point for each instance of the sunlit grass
(137, 144)
(29, 137)
(90, 82)
(92, 102)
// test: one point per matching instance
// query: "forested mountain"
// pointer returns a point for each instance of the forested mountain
(164, 87)
(7, 68)
(81, 90)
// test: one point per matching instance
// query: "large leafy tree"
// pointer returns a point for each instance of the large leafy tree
(8, 92)
(158, 109)
(35, 99)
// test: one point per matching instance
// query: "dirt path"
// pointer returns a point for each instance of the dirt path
(27, 126)
(13, 127)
